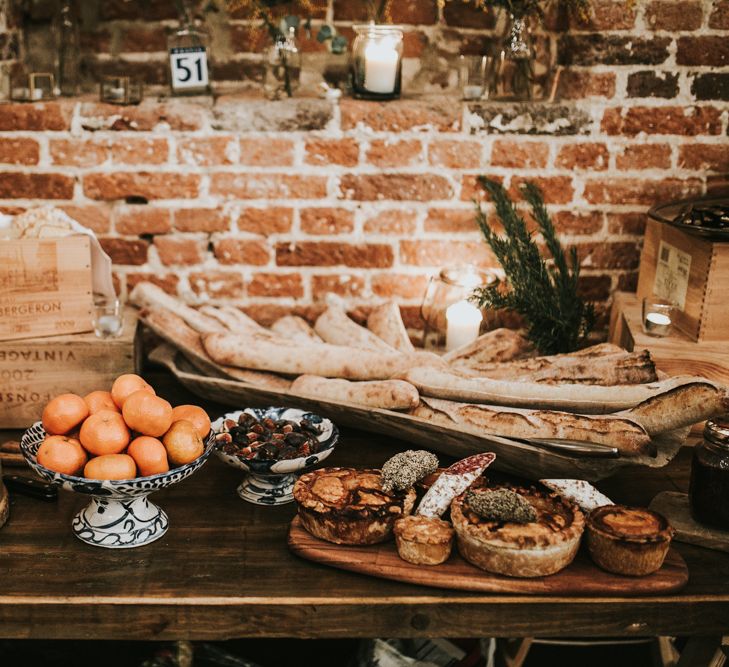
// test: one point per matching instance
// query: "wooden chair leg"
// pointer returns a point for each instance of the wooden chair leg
(664, 653)
(512, 652)
(702, 652)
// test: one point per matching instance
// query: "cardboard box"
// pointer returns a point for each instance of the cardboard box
(35, 370)
(691, 270)
(45, 287)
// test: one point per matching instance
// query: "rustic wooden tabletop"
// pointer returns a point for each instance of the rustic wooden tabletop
(223, 570)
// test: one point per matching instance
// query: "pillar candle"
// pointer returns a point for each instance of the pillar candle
(463, 324)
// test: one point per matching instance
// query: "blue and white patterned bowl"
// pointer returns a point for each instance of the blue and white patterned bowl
(119, 515)
(271, 482)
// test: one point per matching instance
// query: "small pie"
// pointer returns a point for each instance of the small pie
(533, 549)
(423, 540)
(628, 540)
(348, 506)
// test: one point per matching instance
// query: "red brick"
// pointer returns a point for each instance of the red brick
(179, 116)
(414, 43)
(466, 15)
(326, 221)
(455, 154)
(634, 191)
(556, 189)
(125, 251)
(399, 285)
(583, 156)
(394, 152)
(14, 185)
(644, 156)
(706, 50)
(704, 157)
(580, 84)
(401, 115)
(391, 222)
(719, 18)
(451, 220)
(323, 152)
(138, 39)
(578, 223)
(414, 12)
(595, 288)
(684, 121)
(178, 250)
(276, 284)
(18, 150)
(135, 150)
(168, 281)
(268, 186)
(157, 185)
(626, 223)
(35, 117)
(241, 251)
(150, 10)
(330, 253)
(674, 15)
(140, 220)
(206, 151)
(201, 220)
(440, 253)
(611, 15)
(519, 154)
(217, 284)
(471, 188)
(411, 317)
(628, 282)
(621, 255)
(265, 221)
(267, 313)
(396, 187)
(78, 153)
(266, 152)
(717, 185)
(96, 218)
(345, 285)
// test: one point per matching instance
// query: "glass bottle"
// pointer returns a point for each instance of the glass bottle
(67, 33)
(709, 485)
(189, 50)
(513, 68)
(283, 67)
(377, 62)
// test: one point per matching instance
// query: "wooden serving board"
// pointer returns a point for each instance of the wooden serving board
(582, 577)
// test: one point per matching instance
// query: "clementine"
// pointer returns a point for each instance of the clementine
(125, 385)
(100, 400)
(63, 413)
(149, 454)
(195, 415)
(104, 433)
(147, 414)
(111, 466)
(62, 454)
(183, 443)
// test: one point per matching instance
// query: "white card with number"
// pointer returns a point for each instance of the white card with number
(189, 67)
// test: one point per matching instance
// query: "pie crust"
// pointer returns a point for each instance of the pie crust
(348, 506)
(423, 540)
(628, 540)
(534, 549)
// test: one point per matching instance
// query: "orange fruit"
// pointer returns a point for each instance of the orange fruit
(149, 454)
(104, 433)
(195, 415)
(147, 414)
(62, 454)
(125, 385)
(100, 400)
(183, 443)
(111, 466)
(64, 413)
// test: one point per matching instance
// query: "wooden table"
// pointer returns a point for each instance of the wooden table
(223, 571)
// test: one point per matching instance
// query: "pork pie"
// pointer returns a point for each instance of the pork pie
(423, 540)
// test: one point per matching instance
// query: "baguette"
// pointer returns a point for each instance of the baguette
(496, 345)
(383, 394)
(232, 318)
(385, 321)
(334, 326)
(295, 328)
(628, 437)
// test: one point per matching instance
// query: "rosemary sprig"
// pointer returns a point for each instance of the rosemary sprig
(544, 292)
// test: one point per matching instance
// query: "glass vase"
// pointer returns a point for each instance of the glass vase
(514, 61)
(283, 68)
(377, 62)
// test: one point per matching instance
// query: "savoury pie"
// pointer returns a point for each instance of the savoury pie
(542, 543)
(628, 540)
(348, 506)
(423, 540)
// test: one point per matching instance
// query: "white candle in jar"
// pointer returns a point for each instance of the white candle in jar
(657, 323)
(463, 321)
(380, 60)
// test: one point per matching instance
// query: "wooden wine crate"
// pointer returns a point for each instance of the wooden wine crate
(676, 354)
(45, 287)
(691, 270)
(35, 370)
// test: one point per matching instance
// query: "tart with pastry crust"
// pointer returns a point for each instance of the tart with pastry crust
(423, 540)
(348, 506)
(628, 540)
(542, 545)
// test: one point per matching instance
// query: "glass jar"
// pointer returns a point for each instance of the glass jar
(189, 68)
(709, 485)
(513, 64)
(68, 54)
(121, 90)
(377, 62)
(283, 67)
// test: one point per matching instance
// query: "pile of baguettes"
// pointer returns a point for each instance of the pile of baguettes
(602, 394)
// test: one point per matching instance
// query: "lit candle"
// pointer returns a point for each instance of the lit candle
(657, 324)
(463, 323)
(381, 60)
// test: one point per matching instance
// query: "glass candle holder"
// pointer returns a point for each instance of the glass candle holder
(34, 87)
(658, 316)
(121, 90)
(473, 77)
(377, 62)
(107, 321)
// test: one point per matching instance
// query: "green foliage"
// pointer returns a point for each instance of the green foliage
(544, 292)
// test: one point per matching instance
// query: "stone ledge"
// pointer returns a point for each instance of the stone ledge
(545, 118)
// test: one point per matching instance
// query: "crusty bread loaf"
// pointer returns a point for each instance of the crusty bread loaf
(385, 321)
(383, 394)
(496, 345)
(334, 326)
(295, 328)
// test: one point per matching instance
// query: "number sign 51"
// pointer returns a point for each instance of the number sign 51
(189, 67)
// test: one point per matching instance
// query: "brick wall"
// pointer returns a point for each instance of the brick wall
(272, 205)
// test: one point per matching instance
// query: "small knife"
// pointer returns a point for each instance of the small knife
(587, 449)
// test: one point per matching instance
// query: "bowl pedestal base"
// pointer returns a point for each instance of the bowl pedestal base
(267, 489)
(120, 523)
